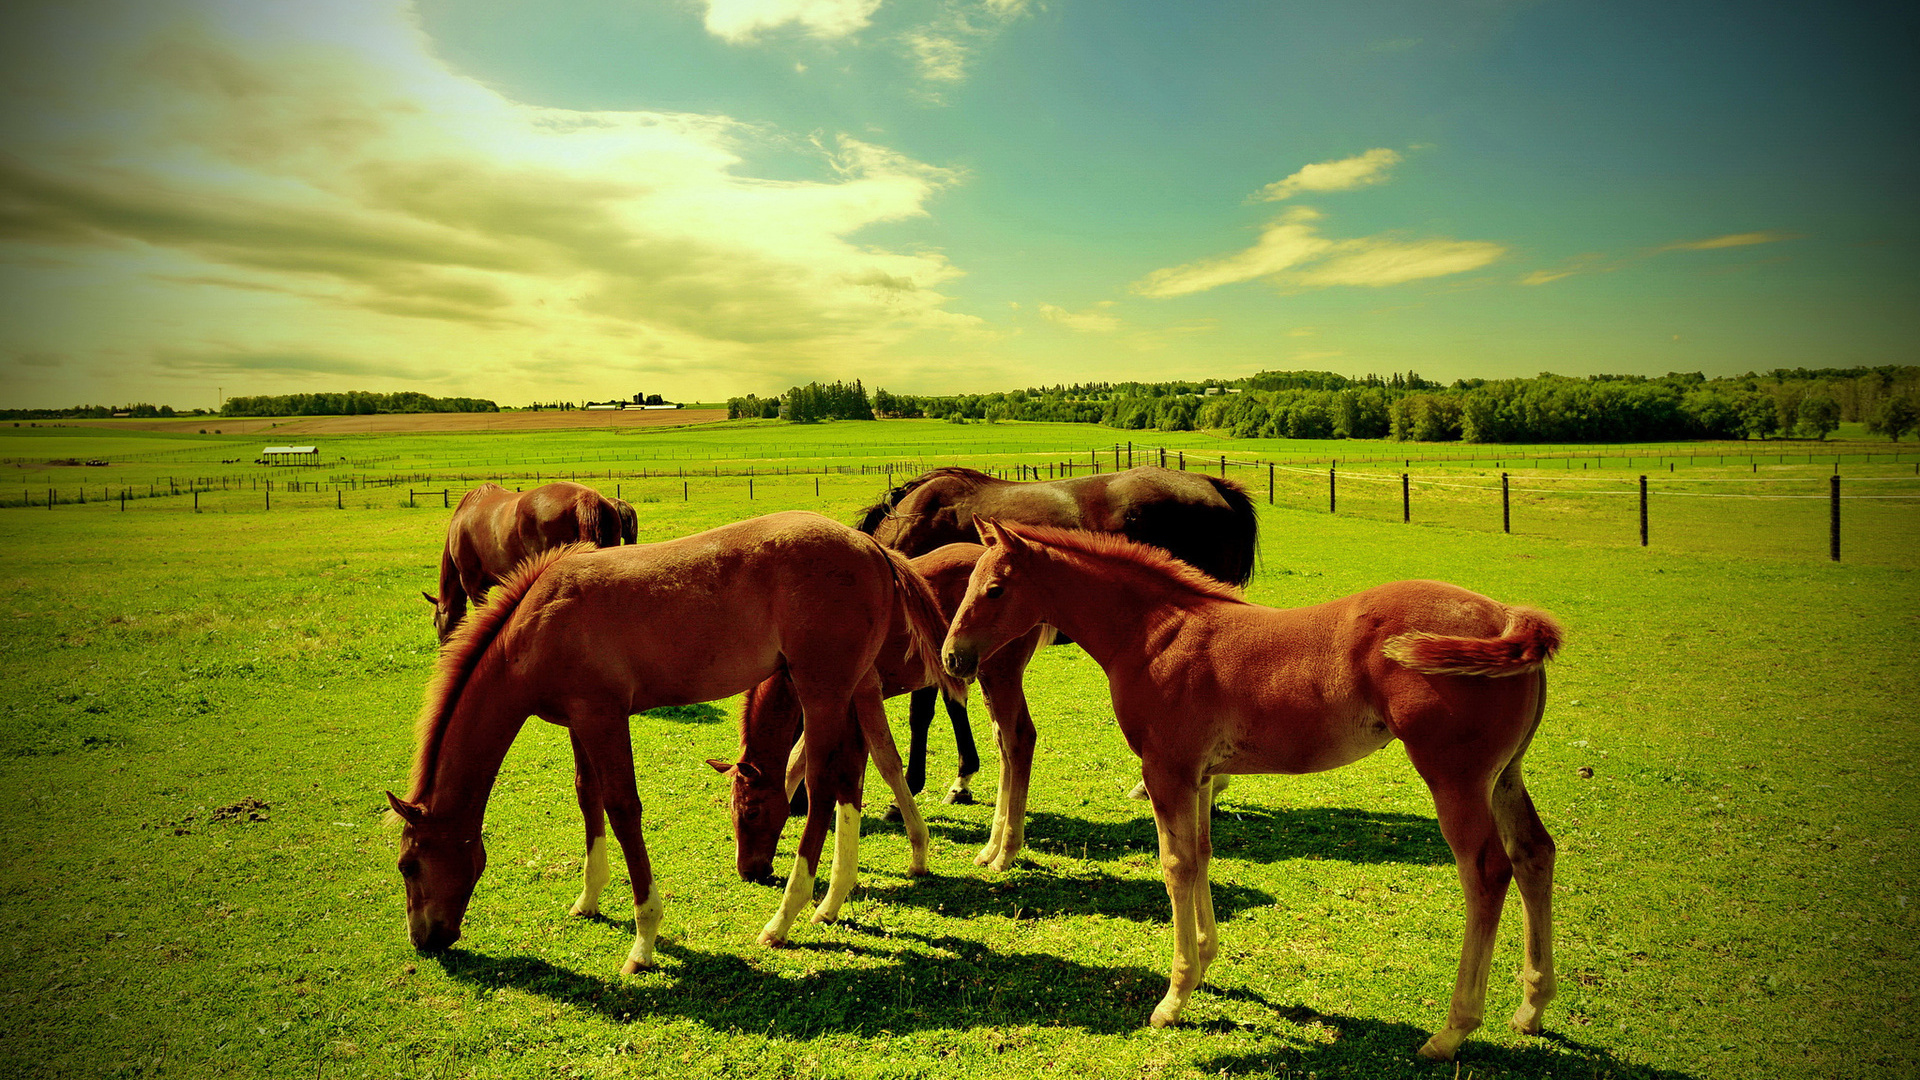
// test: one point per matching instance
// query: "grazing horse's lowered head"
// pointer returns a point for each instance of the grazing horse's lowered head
(440, 870)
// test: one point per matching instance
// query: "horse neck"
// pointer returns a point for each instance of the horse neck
(1108, 609)
(472, 745)
(770, 724)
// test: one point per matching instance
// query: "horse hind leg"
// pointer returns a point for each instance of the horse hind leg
(1467, 822)
(835, 759)
(961, 792)
(608, 746)
(1530, 849)
(596, 871)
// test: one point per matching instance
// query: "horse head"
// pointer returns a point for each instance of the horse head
(440, 870)
(992, 612)
(759, 813)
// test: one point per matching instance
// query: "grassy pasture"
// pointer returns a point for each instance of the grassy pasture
(202, 710)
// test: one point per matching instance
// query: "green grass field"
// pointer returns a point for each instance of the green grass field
(202, 710)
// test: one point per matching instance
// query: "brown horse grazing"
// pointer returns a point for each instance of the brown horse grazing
(769, 769)
(494, 530)
(1206, 683)
(1205, 521)
(586, 637)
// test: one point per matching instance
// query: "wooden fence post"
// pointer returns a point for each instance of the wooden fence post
(1643, 510)
(1269, 483)
(1833, 517)
(1406, 501)
(1331, 504)
(1506, 516)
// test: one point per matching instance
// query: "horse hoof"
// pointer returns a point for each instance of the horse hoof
(1164, 1017)
(1527, 1020)
(962, 797)
(634, 967)
(1434, 1051)
(772, 940)
(585, 911)
(893, 814)
(1139, 791)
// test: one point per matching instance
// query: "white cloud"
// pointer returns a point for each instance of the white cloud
(1287, 242)
(741, 20)
(947, 44)
(1359, 171)
(1097, 320)
(1746, 239)
(1292, 252)
(242, 181)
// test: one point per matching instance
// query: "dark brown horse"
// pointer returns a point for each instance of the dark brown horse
(1205, 683)
(1205, 521)
(494, 530)
(767, 774)
(585, 637)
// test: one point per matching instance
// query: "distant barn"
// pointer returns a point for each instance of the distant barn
(291, 455)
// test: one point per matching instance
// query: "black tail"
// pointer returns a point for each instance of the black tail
(1218, 541)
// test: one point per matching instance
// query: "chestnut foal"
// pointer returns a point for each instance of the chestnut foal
(1205, 683)
(586, 637)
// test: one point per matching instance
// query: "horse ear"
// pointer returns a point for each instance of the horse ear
(719, 766)
(411, 813)
(988, 531)
(430, 598)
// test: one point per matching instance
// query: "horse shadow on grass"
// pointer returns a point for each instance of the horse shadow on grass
(1362, 1046)
(1053, 894)
(931, 983)
(948, 983)
(1253, 833)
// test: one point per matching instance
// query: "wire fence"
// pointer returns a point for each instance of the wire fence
(1592, 503)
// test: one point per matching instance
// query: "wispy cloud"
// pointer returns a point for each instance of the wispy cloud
(946, 45)
(271, 173)
(1095, 320)
(741, 20)
(1361, 170)
(1746, 239)
(1292, 252)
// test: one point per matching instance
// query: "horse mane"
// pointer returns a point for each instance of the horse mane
(1114, 547)
(461, 656)
(868, 520)
(1245, 529)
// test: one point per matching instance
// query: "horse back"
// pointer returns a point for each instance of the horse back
(710, 615)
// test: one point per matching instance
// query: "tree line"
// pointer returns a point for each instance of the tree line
(1798, 402)
(351, 403)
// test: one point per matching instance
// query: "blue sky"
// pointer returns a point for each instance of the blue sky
(704, 198)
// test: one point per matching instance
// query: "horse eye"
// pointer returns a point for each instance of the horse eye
(994, 591)
(409, 869)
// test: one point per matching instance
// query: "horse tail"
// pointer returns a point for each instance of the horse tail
(1242, 532)
(926, 626)
(599, 521)
(1528, 641)
(461, 656)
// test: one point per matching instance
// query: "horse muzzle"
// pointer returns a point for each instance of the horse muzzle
(960, 661)
(429, 936)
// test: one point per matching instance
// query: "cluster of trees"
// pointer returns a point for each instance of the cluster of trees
(351, 403)
(96, 412)
(1548, 408)
(1323, 405)
(807, 404)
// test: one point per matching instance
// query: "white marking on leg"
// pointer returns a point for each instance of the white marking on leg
(595, 875)
(799, 893)
(846, 862)
(647, 915)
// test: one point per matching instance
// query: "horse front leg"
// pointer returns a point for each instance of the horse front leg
(1001, 683)
(1176, 801)
(596, 872)
(1466, 820)
(920, 706)
(833, 792)
(961, 793)
(607, 746)
(871, 712)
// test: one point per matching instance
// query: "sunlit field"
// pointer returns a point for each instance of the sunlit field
(204, 707)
